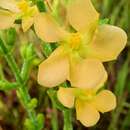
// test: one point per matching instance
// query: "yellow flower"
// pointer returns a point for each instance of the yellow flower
(80, 55)
(88, 103)
(27, 14)
(21, 9)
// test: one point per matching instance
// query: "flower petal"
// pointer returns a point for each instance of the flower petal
(7, 19)
(27, 22)
(10, 5)
(108, 42)
(87, 73)
(105, 101)
(82, 14)
(47, 29)
(86, 113)
(54, 70)
(66, 96)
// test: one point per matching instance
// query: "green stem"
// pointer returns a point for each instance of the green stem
(22, 91)
(67, 120)
(54, 120)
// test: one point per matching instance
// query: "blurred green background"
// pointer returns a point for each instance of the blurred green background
(12, 114)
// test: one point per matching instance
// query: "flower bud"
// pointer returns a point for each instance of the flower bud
(27, 51)
(33, 103)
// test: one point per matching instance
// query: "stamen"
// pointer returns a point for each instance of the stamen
(84, 95)
(23, 5)
(75, 40)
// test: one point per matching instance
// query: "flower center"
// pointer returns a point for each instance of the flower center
(84, 95)
(75, 41)
(26, 9)
(23, 6)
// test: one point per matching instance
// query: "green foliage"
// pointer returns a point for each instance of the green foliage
(22, 92)
(29, 125)
(40, 120)
(33, 103)
(41, 6)
(103, 21)
(27, 51)
(5, 85)
(47, 49)
(121, 79)
(11, 36)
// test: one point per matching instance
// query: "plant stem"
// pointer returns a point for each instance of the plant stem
(22, 91)
(54, 120)
(67, 120)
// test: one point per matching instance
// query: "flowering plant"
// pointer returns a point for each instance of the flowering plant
(76, 43)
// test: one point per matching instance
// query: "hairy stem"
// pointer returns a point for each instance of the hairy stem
(22, 91)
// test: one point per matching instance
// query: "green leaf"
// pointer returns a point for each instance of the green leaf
(3, 48)
(103, 21)
(47, 49)
(41, 5)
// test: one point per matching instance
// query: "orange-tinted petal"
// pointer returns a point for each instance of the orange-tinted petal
(66, 96)
(82, 14)
(105, 101)
(108, 42)
(47, 29)
(6, 19)
(10, 5)
(86, 113)
(87, 73)
(54, 70)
